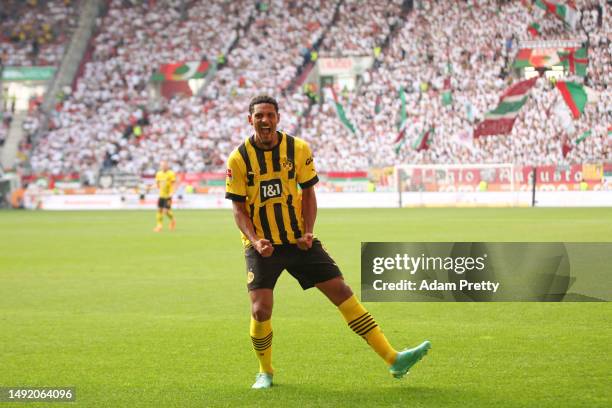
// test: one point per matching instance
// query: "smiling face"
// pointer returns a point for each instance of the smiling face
(264, 120)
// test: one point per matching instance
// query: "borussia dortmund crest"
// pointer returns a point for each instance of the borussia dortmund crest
(287, 164)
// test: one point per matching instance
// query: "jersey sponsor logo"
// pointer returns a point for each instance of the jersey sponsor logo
(287, 164)
(309, 160)
(270, 189)
(228, 174)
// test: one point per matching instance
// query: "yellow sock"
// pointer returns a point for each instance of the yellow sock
(261, 335)
(159, 219)
(362, 323)
(169, 214)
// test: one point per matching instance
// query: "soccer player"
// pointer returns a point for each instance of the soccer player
(277, 224)
(165, 179)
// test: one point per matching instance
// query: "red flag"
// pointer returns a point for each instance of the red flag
(566, 147)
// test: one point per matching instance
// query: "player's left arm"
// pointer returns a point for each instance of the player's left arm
(307, 178)
(309, 215)
(173, 184)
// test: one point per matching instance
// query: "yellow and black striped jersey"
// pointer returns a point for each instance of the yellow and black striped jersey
(165, 180)
(267, 180)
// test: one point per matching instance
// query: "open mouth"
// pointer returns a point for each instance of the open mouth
(265, 130)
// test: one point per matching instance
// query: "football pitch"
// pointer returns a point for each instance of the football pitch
(131, 318)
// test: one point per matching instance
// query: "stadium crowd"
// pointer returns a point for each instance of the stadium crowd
(35, 32)
(94, 126)
(194, 132)
(361, 28)
(424, 56)
(265, 60)
(466, 48)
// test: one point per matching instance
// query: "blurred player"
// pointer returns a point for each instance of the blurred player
(165, 180)
(277, 223)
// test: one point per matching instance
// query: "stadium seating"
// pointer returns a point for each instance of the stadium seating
(360, 27)
(431, 46)
(35, 32)
(194, 133)
(467, 45)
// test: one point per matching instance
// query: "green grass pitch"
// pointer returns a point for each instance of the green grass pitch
(132, 318)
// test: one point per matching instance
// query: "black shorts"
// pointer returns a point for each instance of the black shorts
(164, 203)
(308, 267)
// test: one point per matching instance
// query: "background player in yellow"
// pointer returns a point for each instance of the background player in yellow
(165, 180)
(277, 221)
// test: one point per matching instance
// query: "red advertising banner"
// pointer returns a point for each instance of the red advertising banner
(548, 178)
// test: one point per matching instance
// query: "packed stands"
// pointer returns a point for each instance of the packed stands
(471, 47)
(92, 127)
(194, 133)
(465, 48)
(361, 27)
(35, 32)
(265, 60)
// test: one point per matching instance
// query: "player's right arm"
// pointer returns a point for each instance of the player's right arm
(236, 190)
(243, 221)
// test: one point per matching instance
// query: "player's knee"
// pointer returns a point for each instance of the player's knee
(261, 311)
(342, 292)
(345, 290)
(336, 290)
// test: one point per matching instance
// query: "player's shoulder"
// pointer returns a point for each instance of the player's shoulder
(298, 141)
(170, 173)
(236, 154)
(302, 146)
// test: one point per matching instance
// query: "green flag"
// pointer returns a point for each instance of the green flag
(575, 61)
(574, 95)
(584, 136)
(401, 120)
(423, 141)
(340, 112)
(400, 139)
(534, 29)
(564, 13)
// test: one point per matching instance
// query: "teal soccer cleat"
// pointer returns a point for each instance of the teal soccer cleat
(262, 380)
(407, 358)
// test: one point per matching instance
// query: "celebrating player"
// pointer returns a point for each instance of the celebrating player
(165, 179)
(277, 223)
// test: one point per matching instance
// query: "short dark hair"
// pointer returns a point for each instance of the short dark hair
(262, 99)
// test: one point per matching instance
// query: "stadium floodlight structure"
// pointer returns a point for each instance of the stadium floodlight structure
(460, 185)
